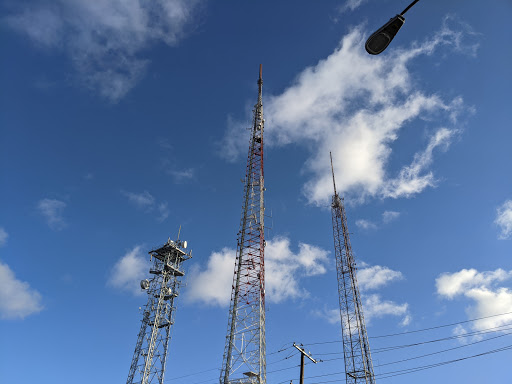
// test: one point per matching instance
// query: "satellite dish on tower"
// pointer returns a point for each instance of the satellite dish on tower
(144, 284)
(184, 245)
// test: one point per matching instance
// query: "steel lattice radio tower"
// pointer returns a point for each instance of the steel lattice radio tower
(150, 356)
(356, 349)
(244, 358)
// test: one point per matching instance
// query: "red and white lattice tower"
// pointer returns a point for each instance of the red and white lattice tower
(244, 358)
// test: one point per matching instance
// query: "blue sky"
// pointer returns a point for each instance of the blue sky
(120, 122)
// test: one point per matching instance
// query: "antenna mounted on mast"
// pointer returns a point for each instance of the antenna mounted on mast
(332, 170)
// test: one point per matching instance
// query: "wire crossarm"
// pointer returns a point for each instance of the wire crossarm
(356, 348)
(244, 360)
(150, 355)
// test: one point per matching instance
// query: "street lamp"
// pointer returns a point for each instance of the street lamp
(380, 39)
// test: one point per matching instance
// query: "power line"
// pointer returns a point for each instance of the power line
(385, 349)
(430, 366)
(395, 347)
(418, 330)
(423, 367)
(217, 369)
(416, 357)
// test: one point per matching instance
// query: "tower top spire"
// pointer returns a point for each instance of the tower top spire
(333, 180)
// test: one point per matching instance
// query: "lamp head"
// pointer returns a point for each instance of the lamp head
(380, 39)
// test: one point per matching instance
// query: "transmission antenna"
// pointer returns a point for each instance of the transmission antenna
(244, 359)
(150, 356)
(356, 349)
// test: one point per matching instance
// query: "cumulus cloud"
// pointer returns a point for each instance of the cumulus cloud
(3, 237)
(51, 210)
(450, 285)
(17, 298)
(283, 272)
(374, 307)
(285, 268)
(370, 278)
(484, 290)
(212, 286)
(376, 277)
(105, 39)
(389, 216)
(356, 106)
(504, 219)
(129, 270)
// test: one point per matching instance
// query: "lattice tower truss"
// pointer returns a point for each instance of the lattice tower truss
(244, 358)
(356, 349)
(150, 356)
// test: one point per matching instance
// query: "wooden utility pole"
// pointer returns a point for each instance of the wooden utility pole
(302, 354)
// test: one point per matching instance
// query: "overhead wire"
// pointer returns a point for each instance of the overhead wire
(385, 349)
(453, 337)
(416, 357)
(405, 371)
(418, 330)
(282, 349)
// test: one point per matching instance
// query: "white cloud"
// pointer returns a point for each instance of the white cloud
(504, 219)
(376, 277)
(331, 315)
(129, 270)
(366, 224)
(181, 176)
(351, 5)
(406, 320)
(389, 216)
(105, 39)
(212, 286)
(3, 237)
(51, 210)
(356, 105)
(146, 202)
(412, 178)
(375, 307)
(283, 270)
(481, 288)
(17, 298)
(450, 285)
(163, 210)
(368, 278)
(142, 200)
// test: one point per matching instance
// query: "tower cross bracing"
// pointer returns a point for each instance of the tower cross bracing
(244, 359)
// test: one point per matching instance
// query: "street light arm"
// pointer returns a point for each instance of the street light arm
(409, 7)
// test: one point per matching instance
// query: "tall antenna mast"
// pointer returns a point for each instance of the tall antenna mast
(244, 360)
(356, 349)
(150, 355)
